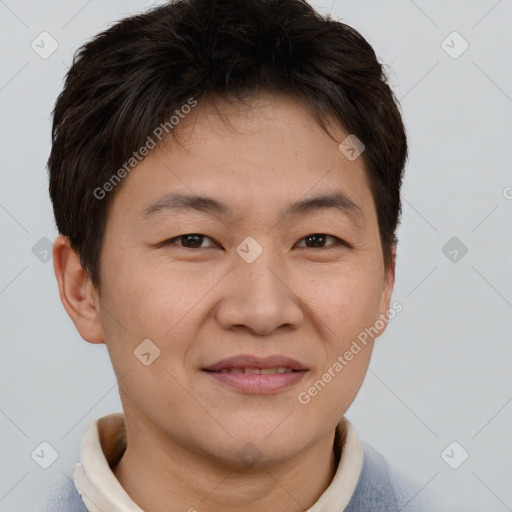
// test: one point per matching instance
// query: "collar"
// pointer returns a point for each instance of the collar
(104, 443)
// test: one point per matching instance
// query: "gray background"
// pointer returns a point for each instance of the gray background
(441, 372)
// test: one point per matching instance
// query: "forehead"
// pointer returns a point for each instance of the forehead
(251, 157)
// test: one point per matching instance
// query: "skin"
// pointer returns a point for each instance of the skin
(201, 305)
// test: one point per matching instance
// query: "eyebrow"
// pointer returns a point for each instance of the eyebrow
(178, 201)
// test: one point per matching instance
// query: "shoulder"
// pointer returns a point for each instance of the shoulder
(59, 498)
(381, 489)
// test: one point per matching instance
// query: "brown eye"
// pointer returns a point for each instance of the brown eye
(191, 241)
(318, 240)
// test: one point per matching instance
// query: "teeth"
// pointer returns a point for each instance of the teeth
(257, 371)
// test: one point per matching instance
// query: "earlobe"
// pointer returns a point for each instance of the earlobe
(390, 273)
(387, 291)
(77, 294)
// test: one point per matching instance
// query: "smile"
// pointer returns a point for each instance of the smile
(257, 371)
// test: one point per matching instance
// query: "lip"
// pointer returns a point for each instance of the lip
(250, 361)
(257, 384)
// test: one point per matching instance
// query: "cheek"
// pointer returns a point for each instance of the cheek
(331, 390)
(164, 309)
(156, 303)
(151, 299)
(345, 309)
(346, 305)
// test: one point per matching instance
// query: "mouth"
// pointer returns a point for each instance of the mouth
(257, 371)
(254, 375)
(250, 363)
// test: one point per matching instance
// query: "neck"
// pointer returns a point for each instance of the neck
(163, 476)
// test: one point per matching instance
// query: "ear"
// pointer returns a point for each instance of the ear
(389, 279)
(387, 290)
(77, 293)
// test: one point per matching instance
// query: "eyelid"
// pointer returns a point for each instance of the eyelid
(173, 240)
(337, 241)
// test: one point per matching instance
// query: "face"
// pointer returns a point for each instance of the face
(249, 255)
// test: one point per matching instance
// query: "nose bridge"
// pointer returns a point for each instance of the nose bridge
(257, 277)
(260, 276)
(259, 296)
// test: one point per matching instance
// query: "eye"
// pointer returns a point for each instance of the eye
(190, 241)
(196, 241)
(318, 240)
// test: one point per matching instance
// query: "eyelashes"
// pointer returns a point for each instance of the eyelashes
(319, 238)
(195, 241)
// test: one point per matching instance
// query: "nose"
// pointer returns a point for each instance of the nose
(259, 298)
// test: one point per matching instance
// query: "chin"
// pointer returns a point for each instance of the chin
(260, 444)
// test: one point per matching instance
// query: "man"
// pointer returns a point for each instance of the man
(226, 178)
